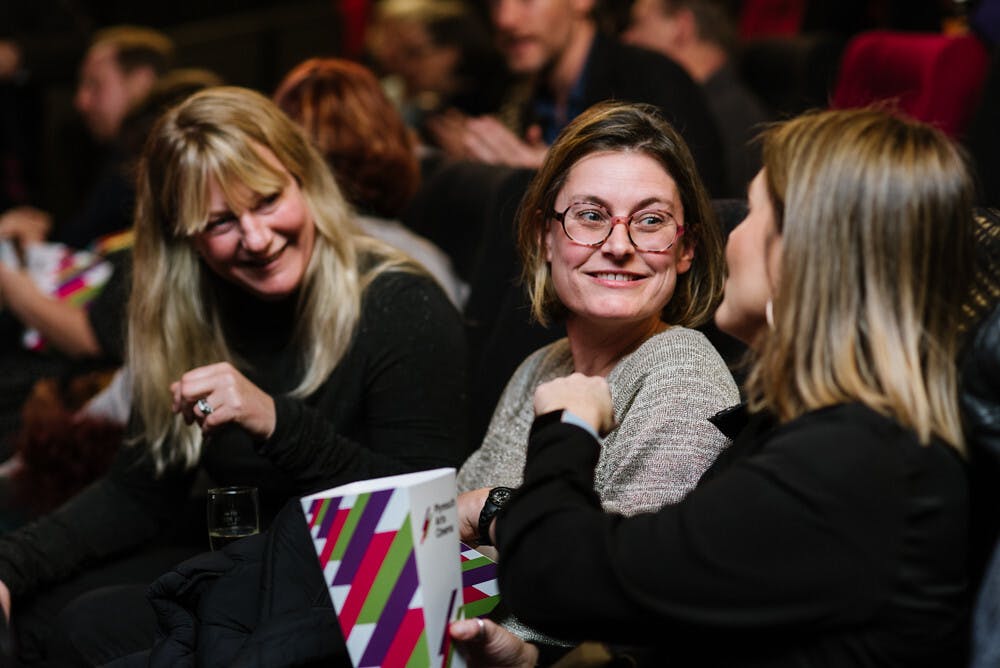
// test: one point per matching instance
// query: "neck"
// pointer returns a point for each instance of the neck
(566, 71)
(702, 60)
(596, 349)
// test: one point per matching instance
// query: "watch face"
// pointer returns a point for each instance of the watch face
(500, 495)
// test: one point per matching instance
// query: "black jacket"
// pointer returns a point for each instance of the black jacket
(617, 71)
(261, 601)
(835, 539)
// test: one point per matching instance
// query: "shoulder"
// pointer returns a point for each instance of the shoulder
(409, 305)
(854, 443)
(627, 64)
(547, 361)
(680, 363)
(675, 350)
(402, 290)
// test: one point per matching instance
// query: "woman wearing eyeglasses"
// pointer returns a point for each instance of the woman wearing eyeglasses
(835, 530)
(618, 240)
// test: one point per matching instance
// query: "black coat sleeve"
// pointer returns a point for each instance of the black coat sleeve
(790, 538)
(122, 510)
(408, 363)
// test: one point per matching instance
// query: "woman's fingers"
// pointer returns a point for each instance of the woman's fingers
(218, 394)
(587, 397)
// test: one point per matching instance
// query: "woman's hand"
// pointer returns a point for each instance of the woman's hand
(217, 395)
(25, 225)
(587, 397)
(485, 644)
(470, 505)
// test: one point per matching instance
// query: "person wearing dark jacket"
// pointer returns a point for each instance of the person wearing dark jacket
(981, 402)
(834, 530)
(564, 65)
(270, 345)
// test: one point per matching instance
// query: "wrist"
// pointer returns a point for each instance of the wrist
(529, 655)
(495, 500)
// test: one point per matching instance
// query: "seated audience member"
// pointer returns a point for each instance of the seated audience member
(67, 326)
(981, 401)
(834, 530)
(266, 348)
(436, 54)
(118, 72)
(562, 66)
(74, 336)
(370, 150)
(700, 35)
(618, 240)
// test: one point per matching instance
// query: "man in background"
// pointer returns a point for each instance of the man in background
(564, 65)
(118, 71)
(700, 35)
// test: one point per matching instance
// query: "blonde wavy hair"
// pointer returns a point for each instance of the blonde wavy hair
(875, 217)
(174, 320)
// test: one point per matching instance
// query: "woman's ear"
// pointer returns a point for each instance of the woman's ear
(685, 256)
(544, 235)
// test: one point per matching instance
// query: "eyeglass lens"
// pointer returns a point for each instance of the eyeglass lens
(649, 230)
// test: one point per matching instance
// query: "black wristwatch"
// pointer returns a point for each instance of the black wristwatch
(496, 500)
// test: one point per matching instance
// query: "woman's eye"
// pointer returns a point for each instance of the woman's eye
(268, 201)
(220, 225)
(649, 219)
(590, 216)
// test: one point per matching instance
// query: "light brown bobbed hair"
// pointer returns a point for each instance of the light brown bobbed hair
(620, 127)
(341, 105)
(174, 319)
(875, 217)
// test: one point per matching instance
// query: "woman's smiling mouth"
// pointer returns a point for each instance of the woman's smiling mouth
(616, 277)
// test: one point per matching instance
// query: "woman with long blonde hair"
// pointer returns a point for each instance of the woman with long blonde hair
(270, 345)
(834, 530)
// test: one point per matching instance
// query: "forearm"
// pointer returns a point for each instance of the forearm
(96, 523)
(64, 325)
(575, 572)
(124, 509)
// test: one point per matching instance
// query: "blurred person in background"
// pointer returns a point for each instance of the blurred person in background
(700, 35)
(563, 65)
(373, 155)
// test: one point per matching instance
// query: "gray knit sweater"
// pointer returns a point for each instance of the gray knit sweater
(663, 393)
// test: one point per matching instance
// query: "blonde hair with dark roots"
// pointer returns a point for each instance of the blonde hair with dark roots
(620, 127)
(174, 322)
(875, 216)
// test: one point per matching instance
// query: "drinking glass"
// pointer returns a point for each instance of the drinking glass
(233, 513)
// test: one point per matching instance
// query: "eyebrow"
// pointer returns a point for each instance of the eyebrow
(642, 204)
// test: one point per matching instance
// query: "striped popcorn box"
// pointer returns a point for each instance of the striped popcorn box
(480, 592)
(389, 552)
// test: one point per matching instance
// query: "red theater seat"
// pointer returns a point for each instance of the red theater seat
(933, 78)
(771, 18)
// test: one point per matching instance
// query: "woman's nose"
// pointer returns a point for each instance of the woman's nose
(618, 243)
(256, 234)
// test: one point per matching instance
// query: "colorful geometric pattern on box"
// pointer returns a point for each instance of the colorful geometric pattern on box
(66, 274)
(115, 241)
(365, 548)
(479, 582)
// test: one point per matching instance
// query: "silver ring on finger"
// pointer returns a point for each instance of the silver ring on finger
(204, 407)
